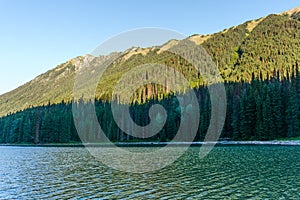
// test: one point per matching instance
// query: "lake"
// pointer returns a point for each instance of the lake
(228, 172)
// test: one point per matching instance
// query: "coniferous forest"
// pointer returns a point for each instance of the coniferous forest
(259, 110)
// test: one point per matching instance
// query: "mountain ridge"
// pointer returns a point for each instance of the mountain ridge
(233, 60)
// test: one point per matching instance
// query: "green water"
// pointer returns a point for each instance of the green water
(231, 172)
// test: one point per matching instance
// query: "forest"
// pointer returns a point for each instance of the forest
(263, 109)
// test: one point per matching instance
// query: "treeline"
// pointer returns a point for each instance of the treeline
(263, 109)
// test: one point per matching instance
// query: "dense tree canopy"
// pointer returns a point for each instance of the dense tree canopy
(259, 110)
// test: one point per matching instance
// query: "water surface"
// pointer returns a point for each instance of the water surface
(228, 172)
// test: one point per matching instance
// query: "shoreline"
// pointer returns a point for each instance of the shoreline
(161, 144)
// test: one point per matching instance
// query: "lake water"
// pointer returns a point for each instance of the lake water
(228, 172)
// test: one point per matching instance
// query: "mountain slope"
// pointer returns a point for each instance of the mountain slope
(259, 46)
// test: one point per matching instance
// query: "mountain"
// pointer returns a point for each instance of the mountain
(258, 60)
(255, 47)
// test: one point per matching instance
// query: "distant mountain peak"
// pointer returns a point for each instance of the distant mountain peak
(199, 39)
(134, 51)
(167, 45)
(292, 11)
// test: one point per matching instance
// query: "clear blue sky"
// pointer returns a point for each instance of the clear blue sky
(37, 35)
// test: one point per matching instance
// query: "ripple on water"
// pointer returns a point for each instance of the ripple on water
(235, 172)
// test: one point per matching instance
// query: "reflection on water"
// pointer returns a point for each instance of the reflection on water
(227, 172)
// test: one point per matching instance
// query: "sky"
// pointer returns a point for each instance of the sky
(38, 35)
